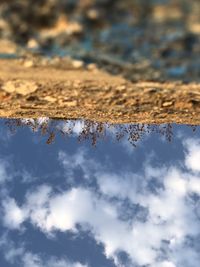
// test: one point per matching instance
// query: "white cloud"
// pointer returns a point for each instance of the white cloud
(8, 172)
(33, 260)
(169, 217)
(67, 209)
(159, 240)
(112, 185)
(192, 159)
(78, 160)
(13, 215)
(35, 123)
(73, 126)
(165, 264)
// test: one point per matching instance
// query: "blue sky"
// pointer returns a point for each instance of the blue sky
(70, 204)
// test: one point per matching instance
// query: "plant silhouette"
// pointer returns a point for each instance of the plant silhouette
(89, 130)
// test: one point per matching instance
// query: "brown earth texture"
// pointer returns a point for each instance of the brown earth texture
(156, 81)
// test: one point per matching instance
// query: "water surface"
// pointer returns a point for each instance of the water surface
(75, 193)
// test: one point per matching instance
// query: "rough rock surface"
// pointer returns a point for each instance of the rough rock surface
(148, 48)
(60, 90)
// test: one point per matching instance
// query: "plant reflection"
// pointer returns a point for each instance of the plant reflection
(89, 130)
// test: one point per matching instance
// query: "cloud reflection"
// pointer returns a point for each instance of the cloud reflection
(152, 216)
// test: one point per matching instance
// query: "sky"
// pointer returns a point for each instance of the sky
(71, 204)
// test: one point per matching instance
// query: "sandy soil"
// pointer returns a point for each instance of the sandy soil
(60, 89)
(109, 67)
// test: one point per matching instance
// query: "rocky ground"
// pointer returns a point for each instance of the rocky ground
(60, 88)
(116, 61)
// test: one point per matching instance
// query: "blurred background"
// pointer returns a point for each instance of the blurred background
(139, 39)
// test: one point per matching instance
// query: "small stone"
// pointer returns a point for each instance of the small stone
(77, 64)
(32, 44)
(50, 99)
(91, 66)
(93, 14)
(28, 63)
(121, 87)
(167, 104)
(71, 103)
(20, 87)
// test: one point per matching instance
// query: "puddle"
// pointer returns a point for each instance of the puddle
(116, 201)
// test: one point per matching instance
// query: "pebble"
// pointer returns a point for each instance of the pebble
(32, 44)
(77, 64)
(50, 99)
(71, 103)
(92, 66)
(28, 63)
(167, 104)
(20, 87)
(121, 87)
(93, 14)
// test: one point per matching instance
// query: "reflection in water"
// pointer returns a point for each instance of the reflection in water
(89, 130)
(109, 207)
